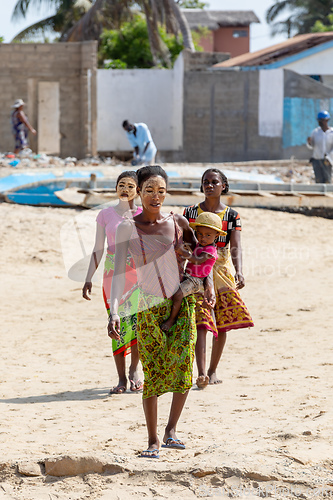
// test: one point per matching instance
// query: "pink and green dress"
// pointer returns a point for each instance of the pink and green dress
(109, 219)
(167, 358)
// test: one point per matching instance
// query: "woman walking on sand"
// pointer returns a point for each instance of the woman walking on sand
(167, 358)
(108, 220)
(230, 311)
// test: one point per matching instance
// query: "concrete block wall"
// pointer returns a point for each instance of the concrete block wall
(74, 66)
(221, 118)
(196, 61)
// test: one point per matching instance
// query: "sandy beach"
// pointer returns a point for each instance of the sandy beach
(266, 431)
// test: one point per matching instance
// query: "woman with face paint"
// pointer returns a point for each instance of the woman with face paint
(108, 220)
(167, 357)
(230, 311)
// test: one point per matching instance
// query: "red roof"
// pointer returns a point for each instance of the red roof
(279, 51)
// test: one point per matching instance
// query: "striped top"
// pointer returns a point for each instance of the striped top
(158, 267)
(230, 222)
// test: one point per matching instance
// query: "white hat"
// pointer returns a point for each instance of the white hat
(18, 103)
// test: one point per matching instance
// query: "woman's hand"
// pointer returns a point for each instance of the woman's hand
(209, 298)
(87, 289)
(240, 281)
(114, 327)
(183, 250)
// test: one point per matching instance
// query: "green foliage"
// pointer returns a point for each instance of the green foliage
(320, 27)
(115, 64)
(198, 34)
(130, 44)
(2, 39)
(174, 45)
(192, 4)
(129, 47)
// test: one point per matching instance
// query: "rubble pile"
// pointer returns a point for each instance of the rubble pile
(298, 171)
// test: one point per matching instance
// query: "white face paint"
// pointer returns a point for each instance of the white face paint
(153, 193)
(126, 189)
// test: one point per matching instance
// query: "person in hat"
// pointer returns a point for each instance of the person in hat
(20, 126)
(139, 137)
(230, 312)
(207, 228)
(321, 142)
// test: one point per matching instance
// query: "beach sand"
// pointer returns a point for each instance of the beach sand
(267, 430)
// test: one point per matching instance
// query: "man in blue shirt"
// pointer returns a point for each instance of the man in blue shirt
(321, 141)
(140, 139)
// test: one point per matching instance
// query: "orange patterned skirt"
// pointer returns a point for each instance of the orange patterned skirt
(230, 313)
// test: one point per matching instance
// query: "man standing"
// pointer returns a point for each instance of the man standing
(140, 139)
(321, 141)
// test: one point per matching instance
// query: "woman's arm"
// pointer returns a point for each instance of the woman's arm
(188, 234)
(236, 256)
(95, 260)
(123, 235)
(25, 120)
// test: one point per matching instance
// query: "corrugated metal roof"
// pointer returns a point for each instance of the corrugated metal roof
(214, 19)
(274, 53)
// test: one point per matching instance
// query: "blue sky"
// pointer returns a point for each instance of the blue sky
(260, 33)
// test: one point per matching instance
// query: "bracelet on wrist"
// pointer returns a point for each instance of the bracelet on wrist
(112, 316)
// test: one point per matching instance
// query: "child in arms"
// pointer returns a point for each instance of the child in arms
(208, 227)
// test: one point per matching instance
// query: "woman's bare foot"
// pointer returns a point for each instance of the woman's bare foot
(166, 325)
(202, 381)
(213, 378)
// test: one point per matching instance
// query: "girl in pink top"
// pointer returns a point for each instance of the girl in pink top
(208, 228)
(108, 220)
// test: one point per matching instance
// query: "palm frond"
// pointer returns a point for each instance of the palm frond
(35, 29)
(103, 14)
(281, 6)
(22, 6)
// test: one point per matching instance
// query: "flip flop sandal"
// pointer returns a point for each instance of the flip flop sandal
(136, 386)
(150, 453)
(119, 389)
(174, 443)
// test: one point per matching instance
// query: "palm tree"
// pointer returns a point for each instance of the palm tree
(302, 15)
(67, 14)
(155, 11)
(103, 14)
(79, 20)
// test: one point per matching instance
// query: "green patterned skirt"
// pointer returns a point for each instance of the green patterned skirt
(128, 306)
(167, 358)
